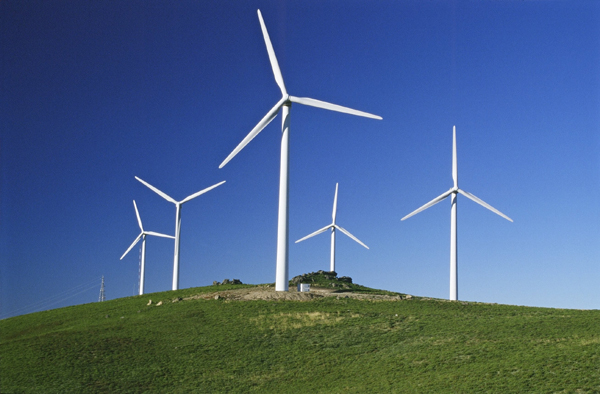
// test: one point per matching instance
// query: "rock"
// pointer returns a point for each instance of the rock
(226, 282)
(215, 283)
(177, 299)
(149, 302)
(408, 297)
(217, 297)
(122, 317)
(236, 282)
(346, 279)
(159, 303)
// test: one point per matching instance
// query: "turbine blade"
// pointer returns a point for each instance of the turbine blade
(158, 234)
(188, 198)
(155, 190)
(132, 245)
(429, 204)
(454, 160)
(350, 235)
(254, 132)
(315, 233)
(138, 216)
(332, 107)
(333, 214)
(272, 57)
(483, 204)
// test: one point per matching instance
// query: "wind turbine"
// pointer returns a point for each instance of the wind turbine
(284, 104)
(142, 236)
(453, 240)
(178, 205)
(333, 227)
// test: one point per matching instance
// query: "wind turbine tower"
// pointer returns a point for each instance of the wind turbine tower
(142, 236)
(284, 104)
(454, 191)
(178, 205)
(333, 227)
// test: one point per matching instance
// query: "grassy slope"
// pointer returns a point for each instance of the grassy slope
(325, 345)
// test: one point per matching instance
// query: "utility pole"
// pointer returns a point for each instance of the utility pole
(101, 297)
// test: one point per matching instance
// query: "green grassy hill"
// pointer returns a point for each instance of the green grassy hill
(196, 342)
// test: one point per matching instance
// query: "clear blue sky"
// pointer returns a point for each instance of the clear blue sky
(95, 93)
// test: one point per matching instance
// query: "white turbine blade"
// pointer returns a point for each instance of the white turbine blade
(272, 57)
(158, 234)
(254, 132)
(483, 204)
(188, 198)
(138, 216)
(315, 233)
(155, 190)
(429, 204)
(350, 235)
(454, 160)
(132, 245)
(332, 107)
(333, 214)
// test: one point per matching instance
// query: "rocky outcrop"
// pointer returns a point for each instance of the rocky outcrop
(323, 278)
(228, 282)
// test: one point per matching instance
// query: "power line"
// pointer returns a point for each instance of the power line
(62, 296)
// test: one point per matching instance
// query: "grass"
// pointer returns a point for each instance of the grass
(323, 345)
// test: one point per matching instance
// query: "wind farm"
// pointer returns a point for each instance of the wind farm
(95, 93)
(169, 104)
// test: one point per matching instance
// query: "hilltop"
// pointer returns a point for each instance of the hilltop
(342, 338)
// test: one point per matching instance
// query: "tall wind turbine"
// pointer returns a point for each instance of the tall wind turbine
(333, 227)
(453, 240)
(178, 205)
(284, 104)
(142, 236)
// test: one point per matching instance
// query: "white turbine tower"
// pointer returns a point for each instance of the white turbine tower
(284, 104)
(453, 240)
(142, 236)
(333, 227)
(178, 205)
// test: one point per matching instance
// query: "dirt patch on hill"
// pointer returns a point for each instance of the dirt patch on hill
(269, 294)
